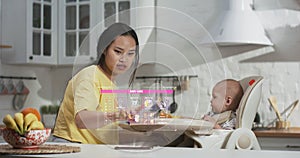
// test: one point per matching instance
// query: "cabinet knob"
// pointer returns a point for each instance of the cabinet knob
(92, 58)
(30, 57)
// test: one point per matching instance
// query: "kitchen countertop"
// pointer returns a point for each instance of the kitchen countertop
(292, 132)
(88, 150)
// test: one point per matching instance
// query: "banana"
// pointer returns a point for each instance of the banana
(21, 123)
(28, 119)
(35, 125)
(19, 119)
(10, 123)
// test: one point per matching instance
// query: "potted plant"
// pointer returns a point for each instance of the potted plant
(49, 113)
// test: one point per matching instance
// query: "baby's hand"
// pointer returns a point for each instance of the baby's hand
(209, 118)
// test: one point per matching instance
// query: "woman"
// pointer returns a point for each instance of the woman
(84, 109)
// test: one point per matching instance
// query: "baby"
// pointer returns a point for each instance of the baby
(226, 96)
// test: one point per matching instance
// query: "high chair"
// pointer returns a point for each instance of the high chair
(242, 137)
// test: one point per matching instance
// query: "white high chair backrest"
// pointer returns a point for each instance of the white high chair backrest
(248, 106)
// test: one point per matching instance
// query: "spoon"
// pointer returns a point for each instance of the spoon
(173, 107)
(273, 103)
(294, 106)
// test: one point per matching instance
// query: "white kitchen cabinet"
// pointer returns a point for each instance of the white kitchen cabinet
(279, 139)
(276, 143)
(46, 31)
(77, 18)
(51, 32)
(30, 26)
(81, 17)
(117, 11)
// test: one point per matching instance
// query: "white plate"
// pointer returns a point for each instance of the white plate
(168, 124)
(140, 127)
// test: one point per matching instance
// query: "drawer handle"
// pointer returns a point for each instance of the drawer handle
(292, 146)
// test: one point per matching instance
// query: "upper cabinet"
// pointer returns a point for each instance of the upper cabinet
(77, 24)
(77, 18)
(117, 11)
(52, 32)
(30, 26)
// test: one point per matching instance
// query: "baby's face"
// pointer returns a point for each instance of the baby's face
(218, 101)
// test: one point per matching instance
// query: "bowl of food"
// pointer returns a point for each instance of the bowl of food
(24, 129)
(30, 139)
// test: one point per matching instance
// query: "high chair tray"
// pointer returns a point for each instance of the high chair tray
(168, 124)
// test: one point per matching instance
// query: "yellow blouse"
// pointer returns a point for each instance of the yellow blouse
(83, 93)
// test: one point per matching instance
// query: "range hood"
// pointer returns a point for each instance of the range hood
(239, 26)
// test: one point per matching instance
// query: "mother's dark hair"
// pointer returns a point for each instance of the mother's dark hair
(109, 35)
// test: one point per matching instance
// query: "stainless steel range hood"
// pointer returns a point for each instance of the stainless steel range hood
(239, 26)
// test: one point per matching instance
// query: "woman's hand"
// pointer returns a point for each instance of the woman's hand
(112, 116)
(94, 119)
(116, 116)
(128, 114)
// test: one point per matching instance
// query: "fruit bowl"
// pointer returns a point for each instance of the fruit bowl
(31, 139)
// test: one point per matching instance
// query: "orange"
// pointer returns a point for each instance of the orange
(31, 110)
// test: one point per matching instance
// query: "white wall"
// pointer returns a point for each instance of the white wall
(282, 69)
(47, 89)
(282, 79)
(40, 89)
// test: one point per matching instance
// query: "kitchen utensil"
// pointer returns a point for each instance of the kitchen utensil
(20, 96)
(185, 83)
(10, 87)
(294, 106)
(273, 103)
(3, 89)
(20, 86)
(155, 108)
(282, 124)
(173, 107)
